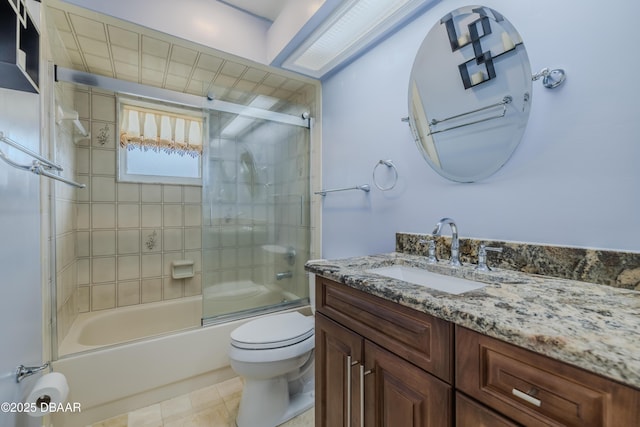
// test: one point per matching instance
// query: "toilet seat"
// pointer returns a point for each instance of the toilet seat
(273, 332)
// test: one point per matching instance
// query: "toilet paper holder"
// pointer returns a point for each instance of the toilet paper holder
(26, 371)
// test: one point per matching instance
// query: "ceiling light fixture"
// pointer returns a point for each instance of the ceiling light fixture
(349, 31)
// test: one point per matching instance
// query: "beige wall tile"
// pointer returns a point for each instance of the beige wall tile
(83, 271)
(192, 194)
(103, 189)
(103, 162)
(128, 241)
(103, 135)
(103, 269)
(151, 215)
(192, 238)
(151, 265)
(193, 215)
(151, 290)
(172, 215)
(82, 160)
(83, 240)
(151, 240)
(81, 104)
(193, 285)
(103, 108)
(128, 293)
(128, 267)
(103, 296)
(103, 215)
(128, 192)
(84, 304)
(172, 194)
(83, 216)
(128, 215)
(172, 239)
(171, 289)
(103, 243)
(151, 193)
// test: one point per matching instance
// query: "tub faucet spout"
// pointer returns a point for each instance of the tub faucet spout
(455, 244)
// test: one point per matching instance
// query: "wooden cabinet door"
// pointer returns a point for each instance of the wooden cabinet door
(399, 394)
(338, 354)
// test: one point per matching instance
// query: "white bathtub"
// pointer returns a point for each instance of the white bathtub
(120, 378)
(232, 297)
(107, 327)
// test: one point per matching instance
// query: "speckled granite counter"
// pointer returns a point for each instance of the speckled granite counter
(591, 326)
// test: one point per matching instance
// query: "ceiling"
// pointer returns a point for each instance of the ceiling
(104, 45)
(268, 9)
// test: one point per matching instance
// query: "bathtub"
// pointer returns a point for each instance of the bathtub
(236, 296)
(108, 327)
(120, 372)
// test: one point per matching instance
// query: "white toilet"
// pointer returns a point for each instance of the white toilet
(275, 356)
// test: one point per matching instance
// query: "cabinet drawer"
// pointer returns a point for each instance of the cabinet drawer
(535, 390)
(472, 414)
(417, 337)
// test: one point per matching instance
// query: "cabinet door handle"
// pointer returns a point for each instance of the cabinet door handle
(350, 364)
(363, 373)
(527, 398)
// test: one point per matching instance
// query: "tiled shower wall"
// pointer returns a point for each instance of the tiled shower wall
(128, 234)
(65, 218)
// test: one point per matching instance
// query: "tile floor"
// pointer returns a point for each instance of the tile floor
(213, 406)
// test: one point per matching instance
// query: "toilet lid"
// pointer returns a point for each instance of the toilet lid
(274, 331)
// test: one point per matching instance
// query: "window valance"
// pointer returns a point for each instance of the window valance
(149, 129)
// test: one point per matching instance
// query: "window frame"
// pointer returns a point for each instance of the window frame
(121, 166)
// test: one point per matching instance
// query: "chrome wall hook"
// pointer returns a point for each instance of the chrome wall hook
(550, 78)
(26, 371)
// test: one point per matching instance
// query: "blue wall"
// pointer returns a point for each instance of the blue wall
(574, 178)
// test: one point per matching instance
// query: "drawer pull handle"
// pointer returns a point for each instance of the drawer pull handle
(526, 397)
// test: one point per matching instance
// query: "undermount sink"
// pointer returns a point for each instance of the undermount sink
(418, 276)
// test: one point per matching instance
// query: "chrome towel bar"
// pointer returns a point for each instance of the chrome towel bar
(40, 166)
(364, 187)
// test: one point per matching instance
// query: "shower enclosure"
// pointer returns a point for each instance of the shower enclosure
(244, 234)
(256, 218)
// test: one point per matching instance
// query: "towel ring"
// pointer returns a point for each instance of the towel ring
(389, 164)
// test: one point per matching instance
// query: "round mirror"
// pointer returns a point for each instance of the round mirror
(470, 94)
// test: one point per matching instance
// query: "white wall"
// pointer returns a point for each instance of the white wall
(20, 280)
(573, 180)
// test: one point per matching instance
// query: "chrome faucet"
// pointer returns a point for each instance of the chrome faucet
(455, 244)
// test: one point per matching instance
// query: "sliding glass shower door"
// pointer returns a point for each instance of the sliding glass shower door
(256, 216)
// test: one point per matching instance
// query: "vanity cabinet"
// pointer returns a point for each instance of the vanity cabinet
(382, 364)
(534, 390)
(19, 47)
(378, 363)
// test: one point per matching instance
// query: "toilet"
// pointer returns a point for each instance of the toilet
(275, 356)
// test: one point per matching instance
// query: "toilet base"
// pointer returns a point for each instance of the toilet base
(299, 404)
(267, 403)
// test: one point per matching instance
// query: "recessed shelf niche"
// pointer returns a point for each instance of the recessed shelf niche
(19, 47)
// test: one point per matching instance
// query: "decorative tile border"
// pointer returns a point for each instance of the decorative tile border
(612, 268)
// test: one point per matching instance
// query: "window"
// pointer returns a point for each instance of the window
(160, 144)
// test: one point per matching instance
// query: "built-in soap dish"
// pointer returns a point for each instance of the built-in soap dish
(182, 269)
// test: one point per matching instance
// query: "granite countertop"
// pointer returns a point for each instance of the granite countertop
(594, 327)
